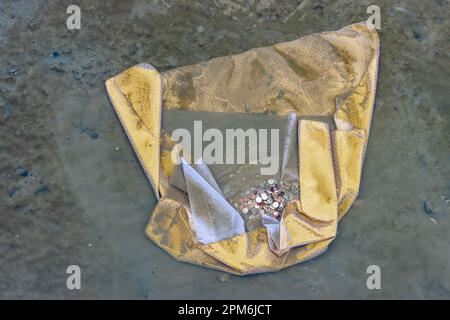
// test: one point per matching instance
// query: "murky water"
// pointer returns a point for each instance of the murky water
(83, 198)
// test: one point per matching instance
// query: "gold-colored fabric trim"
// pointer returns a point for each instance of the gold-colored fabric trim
(136, 96)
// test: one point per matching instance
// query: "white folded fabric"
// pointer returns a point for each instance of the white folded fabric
(211, 216)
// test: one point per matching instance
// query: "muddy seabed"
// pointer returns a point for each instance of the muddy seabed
(72, 191)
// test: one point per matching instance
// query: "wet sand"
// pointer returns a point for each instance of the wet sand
(73, 192)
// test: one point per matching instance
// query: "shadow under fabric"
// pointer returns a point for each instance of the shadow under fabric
(330, 74)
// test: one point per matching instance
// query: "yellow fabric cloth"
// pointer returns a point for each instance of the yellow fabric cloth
(330, 74)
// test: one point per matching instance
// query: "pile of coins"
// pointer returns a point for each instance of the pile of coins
(268, 198)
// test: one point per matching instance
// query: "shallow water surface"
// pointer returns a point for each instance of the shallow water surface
(73, 192)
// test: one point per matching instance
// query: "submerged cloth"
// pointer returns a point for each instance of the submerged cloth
(211, 216)
(249, 163)
(330, 74)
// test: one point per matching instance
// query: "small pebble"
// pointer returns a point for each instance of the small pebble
(13, 72)
(224, 277)
(427, 208)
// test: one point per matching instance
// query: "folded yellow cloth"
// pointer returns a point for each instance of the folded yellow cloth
(330, 74)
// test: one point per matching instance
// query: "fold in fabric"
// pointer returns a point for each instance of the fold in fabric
(211, 216)
(289, 163)
(277, 233)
